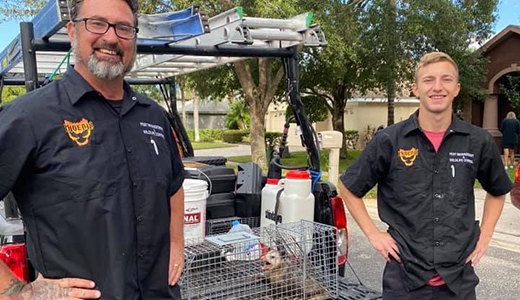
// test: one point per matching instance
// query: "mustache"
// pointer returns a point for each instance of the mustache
(108, 46)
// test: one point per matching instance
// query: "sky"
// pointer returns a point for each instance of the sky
(508, 13)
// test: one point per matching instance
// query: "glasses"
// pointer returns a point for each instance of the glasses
(101, 27)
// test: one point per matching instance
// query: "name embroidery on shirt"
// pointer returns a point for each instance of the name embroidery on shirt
(79, 132)
(408, 156)
(461, 157)
(152, 129)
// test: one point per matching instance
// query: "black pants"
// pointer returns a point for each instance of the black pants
(394, 289)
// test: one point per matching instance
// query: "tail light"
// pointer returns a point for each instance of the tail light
(15, 258)
(340, 219)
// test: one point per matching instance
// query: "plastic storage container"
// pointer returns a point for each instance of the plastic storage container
(249, 250)
(221, 206)
(220, 179)
(269, 192)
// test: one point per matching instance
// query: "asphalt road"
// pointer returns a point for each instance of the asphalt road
(499, 270)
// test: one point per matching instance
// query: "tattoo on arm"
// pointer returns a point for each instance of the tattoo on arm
(14, 288)
(44, 290)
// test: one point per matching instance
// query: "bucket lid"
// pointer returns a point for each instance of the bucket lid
(273, 181)
(194, 185)
(298, 175)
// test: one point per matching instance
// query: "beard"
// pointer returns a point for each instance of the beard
(104, 68)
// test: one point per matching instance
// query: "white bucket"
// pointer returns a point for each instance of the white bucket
(195, 196)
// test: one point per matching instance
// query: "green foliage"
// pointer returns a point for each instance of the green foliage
(237, 116)
(150, 91)
(9, 93)
(206, 135)
(352, 138)
(512, 91)
(272, 139)
(234, 136)
(315, 109)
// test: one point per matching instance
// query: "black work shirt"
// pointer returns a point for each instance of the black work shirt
(427, 197)
(93, 186)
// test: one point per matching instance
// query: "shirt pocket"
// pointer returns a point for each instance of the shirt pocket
(160, 157)
(460, 179)
(410, 184)
(90, 162)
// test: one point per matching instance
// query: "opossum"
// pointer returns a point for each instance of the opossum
(286, 281)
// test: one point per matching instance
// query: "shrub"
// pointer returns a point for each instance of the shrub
(272, 139)
(351, 137)
(206, 135)
(234, 136)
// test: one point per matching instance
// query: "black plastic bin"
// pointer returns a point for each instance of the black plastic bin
(220, 206)
(220, 179)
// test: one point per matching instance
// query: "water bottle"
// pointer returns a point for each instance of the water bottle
(246, 250)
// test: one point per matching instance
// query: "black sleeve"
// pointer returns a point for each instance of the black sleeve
(491, 173)
(370, 167)
(17, 142)
(502, 126)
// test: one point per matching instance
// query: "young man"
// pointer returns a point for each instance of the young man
(425, 168)
(96, 173)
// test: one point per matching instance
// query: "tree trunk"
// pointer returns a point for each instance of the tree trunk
(258, 154)
(196, 116)
(390, 92)
(258, 98)
(183, 101)
(338, 123)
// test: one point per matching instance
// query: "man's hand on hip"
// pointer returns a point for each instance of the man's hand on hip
(480, 250)
(385, 245)
(59, 289)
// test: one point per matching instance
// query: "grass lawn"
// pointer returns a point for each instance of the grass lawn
(300, 159)
(210, 145)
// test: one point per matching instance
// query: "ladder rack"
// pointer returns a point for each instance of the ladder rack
(170, 43)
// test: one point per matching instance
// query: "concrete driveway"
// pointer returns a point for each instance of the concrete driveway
(499, 270)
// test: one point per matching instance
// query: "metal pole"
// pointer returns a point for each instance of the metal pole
(29, 56)
(31, 83)
(293, 82)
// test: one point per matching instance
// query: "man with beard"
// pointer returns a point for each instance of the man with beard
(96, 173)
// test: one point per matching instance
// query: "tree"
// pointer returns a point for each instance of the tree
(340, 70)
(512, 91)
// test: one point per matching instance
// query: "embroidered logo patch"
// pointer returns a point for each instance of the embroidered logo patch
(408, 156)
(80, 131)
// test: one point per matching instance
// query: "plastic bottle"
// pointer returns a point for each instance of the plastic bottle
(267, 215)
(246, 250)
(297, 200)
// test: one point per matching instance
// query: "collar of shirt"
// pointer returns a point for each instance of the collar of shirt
(76, 87)
(457, 125)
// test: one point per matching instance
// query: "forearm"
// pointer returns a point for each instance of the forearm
(358, 210)
(492, 210)
(10, 286)
(177, 217)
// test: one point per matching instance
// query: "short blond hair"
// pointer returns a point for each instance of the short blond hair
(434, 57)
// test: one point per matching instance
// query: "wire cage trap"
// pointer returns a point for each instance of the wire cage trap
(288, 261)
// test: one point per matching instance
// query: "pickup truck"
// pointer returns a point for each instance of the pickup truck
(43, 41)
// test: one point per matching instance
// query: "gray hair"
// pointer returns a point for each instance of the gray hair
(75, 7)
(511, 115)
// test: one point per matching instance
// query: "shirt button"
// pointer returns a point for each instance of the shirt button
(139, 219)
(129, 149)
(436, 220)
(438, 196)
(134, 98)
(135, 184)
(436, 171)
(140, 254)
(437, 244)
